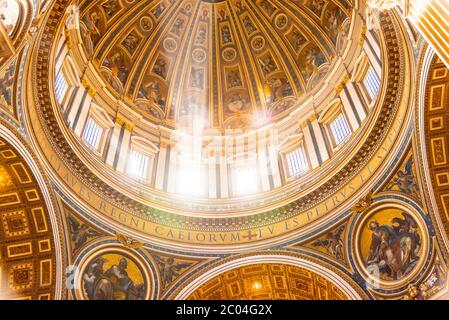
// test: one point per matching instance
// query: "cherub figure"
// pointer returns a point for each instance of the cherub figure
(405, 180)
(80, 232)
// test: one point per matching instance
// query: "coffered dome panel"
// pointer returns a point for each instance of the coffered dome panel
(291, 173)
(223, 149)
(227, 64)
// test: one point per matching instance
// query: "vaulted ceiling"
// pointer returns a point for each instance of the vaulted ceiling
(226, 63)
(27, 249)
(268, 282)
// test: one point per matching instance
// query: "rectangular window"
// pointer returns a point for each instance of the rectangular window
(92, 133)
(138, 164)
(245, 180)
(296, 162)
(372, 82)
(60, 87)
(340, 129)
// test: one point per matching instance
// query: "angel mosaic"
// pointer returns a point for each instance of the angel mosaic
(226, 35)
(249, 26)
(117, 62)
(279, 88)
(152, 92)
(92, 21)
(333, 21)
(161, 67)
(178, 26)
(110, 8)
(404, 180)
(81, 232)
(197, 78)
(157, 12)
(6, 86)
(317, 6)
(267, 7)
(267, 65)
(233, 79)
(311, 60)
(201, 36)
(131, 41)
(333, 243)
(237, 103)
(169, 268)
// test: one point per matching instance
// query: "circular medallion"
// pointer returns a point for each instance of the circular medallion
(113, 274)
(146, 24)
(391, 245)
(258, 43)
(229, 54)
(281, 21)
(170, 45)
(199, 55)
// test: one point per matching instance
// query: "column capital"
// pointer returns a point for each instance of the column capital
(85, 83)
(122, 122)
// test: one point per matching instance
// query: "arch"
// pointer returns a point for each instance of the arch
(49, 209)
(101, 116)
(351, 290)
(144, 144)
(330, 111)
(428, 57)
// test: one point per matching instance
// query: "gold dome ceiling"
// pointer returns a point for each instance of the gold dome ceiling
(231, 63)
(268, 282)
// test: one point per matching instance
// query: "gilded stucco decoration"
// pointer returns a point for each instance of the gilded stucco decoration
(357, 225)
(27, 249)
(268, 282)
(220, 61)
(435, 109)
(113, 273)
(391, 243)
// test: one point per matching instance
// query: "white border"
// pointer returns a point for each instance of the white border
(330, 275)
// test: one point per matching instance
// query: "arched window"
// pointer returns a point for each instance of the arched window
(372, 82)
(141, 158)
(340, 128)
(138, 164)
(294, 156)
(367, 79)
(92, 133)
(96, 127)
(336, 123)
(61, 87)
(296, 162)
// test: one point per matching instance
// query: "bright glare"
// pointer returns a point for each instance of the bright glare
(260, 119)
(245, 180)
(417, 8)
(138, 165)
(190, 181)
(257, 285)
(9, 13)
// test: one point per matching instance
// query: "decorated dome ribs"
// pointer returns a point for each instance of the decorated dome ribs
(231, 64)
